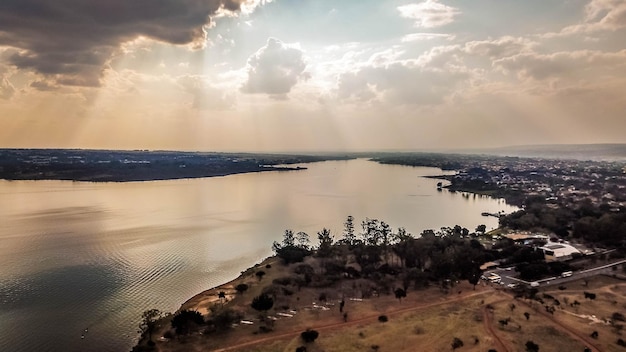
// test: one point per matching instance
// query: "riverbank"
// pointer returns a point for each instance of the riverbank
(203, 301)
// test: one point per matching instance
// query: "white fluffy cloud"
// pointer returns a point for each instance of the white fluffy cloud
(275, 69)
(429, 14)
(600, 16)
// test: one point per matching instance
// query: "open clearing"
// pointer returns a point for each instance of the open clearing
(426, 320)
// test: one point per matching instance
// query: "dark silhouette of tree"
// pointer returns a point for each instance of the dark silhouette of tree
(222, 319)
(594, 334)
(457, 343)
(290, 251)
(531, 346)
(474, 277)
(383, 318)
(302, 240)
(481, 228)
(149, 320)
(241, 288)
(527, 315)
(262, 302)
(400, 293)
(259, 274)
(221, 295)
(301, 349)
(348, 233)
(325, 248)
(309, 335)
(186, 320)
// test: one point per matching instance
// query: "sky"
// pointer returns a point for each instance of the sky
(311, 75)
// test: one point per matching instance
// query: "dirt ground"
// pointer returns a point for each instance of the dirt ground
(426, 320)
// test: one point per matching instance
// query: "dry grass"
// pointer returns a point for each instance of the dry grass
(426, 320)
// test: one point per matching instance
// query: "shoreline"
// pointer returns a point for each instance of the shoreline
(203, 300)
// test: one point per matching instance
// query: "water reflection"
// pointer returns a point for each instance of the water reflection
(77, 255)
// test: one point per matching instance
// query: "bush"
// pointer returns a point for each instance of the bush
(457, 343)
(241, 288)
(383, 319)
(309, 335)
(301, 349)
(618, 316)
(186, 320)
(531, 346)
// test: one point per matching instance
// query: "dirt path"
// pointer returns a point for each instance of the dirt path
(584, 340)
(488, 322)
(368, 319)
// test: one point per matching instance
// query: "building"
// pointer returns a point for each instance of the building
(558, 251)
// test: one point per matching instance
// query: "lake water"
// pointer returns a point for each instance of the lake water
(78, 255)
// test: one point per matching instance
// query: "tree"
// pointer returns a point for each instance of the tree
(348, 233)
(241, 288)
(302, 240)
(527, 315)
(325, 247)
(149, 320)
(288, 238)
(259, 274)
(186, 320)
(400, 293)
(531, 346)
(309, 335)
(262, 302)
(481, 228)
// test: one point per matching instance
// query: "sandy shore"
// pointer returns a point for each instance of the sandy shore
(205, 299)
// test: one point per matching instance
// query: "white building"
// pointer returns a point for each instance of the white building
(558, 251)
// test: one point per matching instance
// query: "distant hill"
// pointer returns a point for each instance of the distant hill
(607, 152)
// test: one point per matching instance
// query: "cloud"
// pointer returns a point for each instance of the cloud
(429, 14)
(71, 41)
(499, 48)
(415, 37)
(600, 16)
(581, 64)
(275, 69)
(6, 88)
(400, 83)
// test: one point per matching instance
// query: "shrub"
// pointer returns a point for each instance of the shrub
(309, 335)
(457, 343)
(383, 319)
(301, 349)
(531, 346)
(185, 320)
(618, 316)
(241, 288)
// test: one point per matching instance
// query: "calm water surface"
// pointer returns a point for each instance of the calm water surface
(80, 255)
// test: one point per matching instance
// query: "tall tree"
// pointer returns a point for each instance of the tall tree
(325, 239)
(348, 233)
(302, 240)
(149, 319)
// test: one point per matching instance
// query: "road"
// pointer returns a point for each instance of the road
(508, 275)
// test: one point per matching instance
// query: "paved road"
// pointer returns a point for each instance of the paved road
(508, 275)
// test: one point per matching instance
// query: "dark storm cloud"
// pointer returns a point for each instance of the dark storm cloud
(71, 40)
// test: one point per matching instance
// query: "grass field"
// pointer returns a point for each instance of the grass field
(426, 320)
